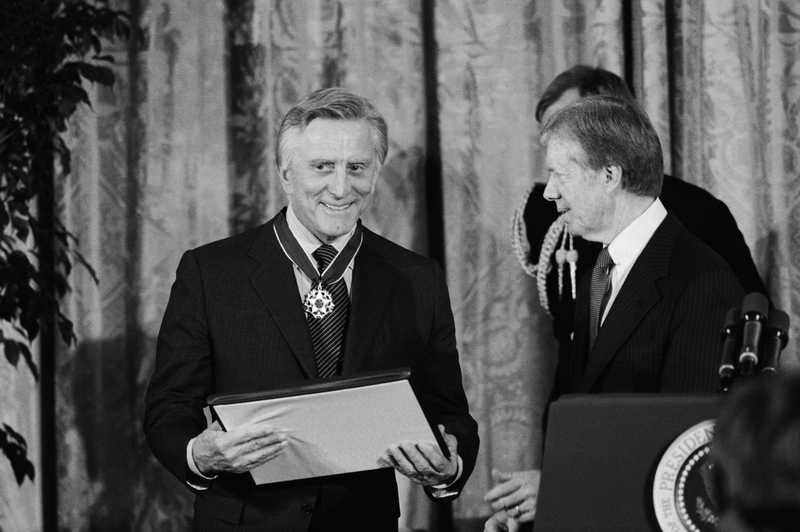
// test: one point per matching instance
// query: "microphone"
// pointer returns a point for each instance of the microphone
(754, 313)
(732, 333)
(777, 336)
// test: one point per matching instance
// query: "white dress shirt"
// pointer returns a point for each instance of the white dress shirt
(310, 243)
(628, 245)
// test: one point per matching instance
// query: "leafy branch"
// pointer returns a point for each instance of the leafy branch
(48, 49)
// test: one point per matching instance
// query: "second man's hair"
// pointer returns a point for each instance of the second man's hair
(611, 131)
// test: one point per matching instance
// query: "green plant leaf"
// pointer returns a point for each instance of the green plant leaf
(28, 356)
(50, 48)
(5, 218)
(11, 348)
(66, 329)
(15, 448)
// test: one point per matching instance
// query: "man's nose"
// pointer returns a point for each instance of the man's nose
(339, 185)
(551, 192)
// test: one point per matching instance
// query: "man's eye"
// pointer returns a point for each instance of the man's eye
(356, 168)
(321, 166)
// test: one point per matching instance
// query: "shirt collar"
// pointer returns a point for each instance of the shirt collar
(308, 241)
(628, 245)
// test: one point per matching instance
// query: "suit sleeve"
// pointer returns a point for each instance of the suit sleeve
(183, 376)
(439, 386)
(692, 360)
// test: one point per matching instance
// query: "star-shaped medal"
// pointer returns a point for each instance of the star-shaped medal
(318, 302)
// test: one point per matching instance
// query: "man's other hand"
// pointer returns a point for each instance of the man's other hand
(515, 493)
(423, 462)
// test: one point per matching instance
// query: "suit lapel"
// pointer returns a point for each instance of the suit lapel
(275, 283)
(373, 283)
(636, 297)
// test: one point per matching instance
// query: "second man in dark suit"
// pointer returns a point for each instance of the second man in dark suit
(650, 311)
(654, 324)
(546, 252)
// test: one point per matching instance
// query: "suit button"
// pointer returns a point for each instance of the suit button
(307, 509)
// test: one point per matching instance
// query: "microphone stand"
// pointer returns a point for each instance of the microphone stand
(740, 358)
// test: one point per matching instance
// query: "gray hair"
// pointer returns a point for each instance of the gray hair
(611, 131)
(334, 103)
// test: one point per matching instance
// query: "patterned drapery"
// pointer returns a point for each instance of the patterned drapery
(150, 181)
(180, 152)
(495, 60)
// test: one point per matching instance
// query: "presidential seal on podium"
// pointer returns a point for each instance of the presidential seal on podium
(683, 498)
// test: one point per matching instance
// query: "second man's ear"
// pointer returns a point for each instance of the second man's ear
(613, 175)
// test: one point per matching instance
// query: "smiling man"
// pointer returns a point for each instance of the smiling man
(311, 294)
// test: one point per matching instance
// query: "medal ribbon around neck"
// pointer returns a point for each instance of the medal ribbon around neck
(335, 270)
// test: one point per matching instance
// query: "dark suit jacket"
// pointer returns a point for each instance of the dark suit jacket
(699, 211)
(663, 330)
(235, 323)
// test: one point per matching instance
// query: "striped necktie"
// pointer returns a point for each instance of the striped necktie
(600, 291)
(328, 332)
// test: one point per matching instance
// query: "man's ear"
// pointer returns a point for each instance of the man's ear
(286, 183)
(612, 177)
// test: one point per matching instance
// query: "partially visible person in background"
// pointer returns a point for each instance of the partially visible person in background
(756, 456)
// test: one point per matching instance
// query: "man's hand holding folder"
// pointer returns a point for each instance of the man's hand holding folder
(238, 450)
(423, 461)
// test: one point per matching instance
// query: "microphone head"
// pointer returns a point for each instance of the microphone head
(755, 303)
(779, 322)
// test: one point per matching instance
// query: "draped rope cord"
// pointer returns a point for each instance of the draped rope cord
(557, 231)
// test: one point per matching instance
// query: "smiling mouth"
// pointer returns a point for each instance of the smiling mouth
(336, 207)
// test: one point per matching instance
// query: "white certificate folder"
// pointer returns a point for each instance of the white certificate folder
(337, 425)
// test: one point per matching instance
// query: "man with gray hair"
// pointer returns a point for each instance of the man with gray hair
(558, 261)
(309, 295)
(650, 311)
(648, 319)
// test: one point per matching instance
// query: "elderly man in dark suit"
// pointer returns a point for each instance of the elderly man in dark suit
(649, 313)
(308, 295)
(549, 254)
(558, 260)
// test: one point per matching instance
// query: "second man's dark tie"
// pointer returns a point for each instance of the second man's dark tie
(328, 332)
(601, 290)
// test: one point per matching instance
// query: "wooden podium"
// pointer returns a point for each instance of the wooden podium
(602, 454)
